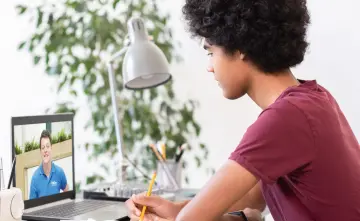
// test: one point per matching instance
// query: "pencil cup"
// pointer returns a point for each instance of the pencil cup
(163, 179)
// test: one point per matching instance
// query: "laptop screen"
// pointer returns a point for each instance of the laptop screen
(43, 147)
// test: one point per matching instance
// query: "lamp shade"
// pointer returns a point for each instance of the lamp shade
(145, 65)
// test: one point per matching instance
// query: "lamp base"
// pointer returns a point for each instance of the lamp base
(121, 172)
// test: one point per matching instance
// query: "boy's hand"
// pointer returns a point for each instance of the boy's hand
(158, 209)
(253, 214)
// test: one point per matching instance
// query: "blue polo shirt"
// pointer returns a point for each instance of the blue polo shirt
(41, 185)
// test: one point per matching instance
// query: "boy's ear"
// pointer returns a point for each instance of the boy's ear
(242, 56)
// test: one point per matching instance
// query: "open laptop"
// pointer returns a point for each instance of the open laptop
(44, 171)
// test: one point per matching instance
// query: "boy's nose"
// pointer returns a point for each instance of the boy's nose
(210, 69)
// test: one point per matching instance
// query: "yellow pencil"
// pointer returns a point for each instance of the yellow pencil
(163, 150)
(157, 154)
(148, 194)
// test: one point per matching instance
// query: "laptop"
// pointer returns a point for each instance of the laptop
(44, 150)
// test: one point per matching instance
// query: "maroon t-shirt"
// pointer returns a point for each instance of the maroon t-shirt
(306, 156)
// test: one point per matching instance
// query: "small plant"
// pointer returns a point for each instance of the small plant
(62, 136)
(18, 150)
(54, 139)
(33, 145)
(93, 178)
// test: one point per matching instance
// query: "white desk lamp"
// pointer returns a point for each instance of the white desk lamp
(145, 66)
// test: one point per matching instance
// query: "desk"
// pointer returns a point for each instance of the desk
(184, 194)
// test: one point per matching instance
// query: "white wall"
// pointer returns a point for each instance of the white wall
(333, 60)
(28, 133)
(56, 127)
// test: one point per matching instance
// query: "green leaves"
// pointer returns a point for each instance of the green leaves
(73, 45)
(115, 2)
(21, 45)
(65, 107)
(21, 9)
(39, 17)
(18, 150)
(78, 6)
(31, 145)
(198, 161)
(60, 137)
(94, 178)
(36, 59)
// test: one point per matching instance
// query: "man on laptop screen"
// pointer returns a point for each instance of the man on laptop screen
(44, 158)
(45, 171)
(49, 178)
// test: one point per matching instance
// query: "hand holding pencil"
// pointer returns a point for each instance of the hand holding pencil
(149, 208)
(153, 207)
(148, 194)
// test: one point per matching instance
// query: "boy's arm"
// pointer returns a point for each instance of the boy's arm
(254, 199)
(214, 200)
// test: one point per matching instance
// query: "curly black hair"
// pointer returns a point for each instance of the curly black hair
(271, 34)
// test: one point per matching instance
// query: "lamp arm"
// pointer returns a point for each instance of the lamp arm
(118, 54)
(115, 105)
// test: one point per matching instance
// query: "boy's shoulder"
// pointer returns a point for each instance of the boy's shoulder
(309, 98)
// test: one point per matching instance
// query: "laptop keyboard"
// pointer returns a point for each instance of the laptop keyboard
(71, 209)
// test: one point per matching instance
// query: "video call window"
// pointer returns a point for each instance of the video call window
(43, 158)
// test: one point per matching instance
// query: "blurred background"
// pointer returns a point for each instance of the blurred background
(52, 59)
